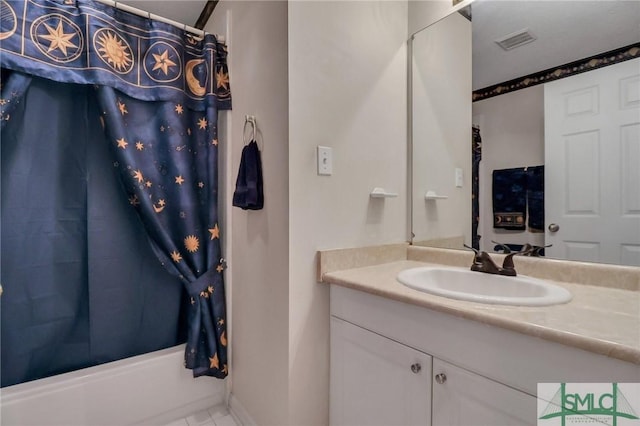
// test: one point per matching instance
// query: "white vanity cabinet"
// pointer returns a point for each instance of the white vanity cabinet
(376, 381)
(463, 398)
(395, 363)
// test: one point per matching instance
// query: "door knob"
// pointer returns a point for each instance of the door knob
(554, 227)
(441, 378)
(416, 368)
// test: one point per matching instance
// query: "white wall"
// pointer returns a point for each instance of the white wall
(442, 129)
(259, 281)
(512, 131)
(347, 90)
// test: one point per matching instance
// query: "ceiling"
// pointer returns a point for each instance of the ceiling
(183, 11)
(566, 31)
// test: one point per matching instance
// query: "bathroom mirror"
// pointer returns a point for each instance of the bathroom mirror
(558, 120)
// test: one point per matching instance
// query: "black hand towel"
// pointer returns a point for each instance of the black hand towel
(249, 192)
(509, 198)
(535, 198)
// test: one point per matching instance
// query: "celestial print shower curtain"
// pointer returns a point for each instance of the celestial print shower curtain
(157, 91)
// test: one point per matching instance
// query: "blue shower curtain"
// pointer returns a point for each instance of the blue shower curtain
(82, 285)
(116, 161)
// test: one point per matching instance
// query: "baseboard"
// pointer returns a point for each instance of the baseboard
(240, 415)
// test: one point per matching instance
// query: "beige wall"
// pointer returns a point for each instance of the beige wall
(344, 87)
(512, 130)
(258, 277)
(442, 129)
(347, 90)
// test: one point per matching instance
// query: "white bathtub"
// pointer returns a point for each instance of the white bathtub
(151, 389)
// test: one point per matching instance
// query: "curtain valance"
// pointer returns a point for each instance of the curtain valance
(91, 43)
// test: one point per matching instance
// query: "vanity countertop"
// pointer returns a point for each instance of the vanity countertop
(602, 320)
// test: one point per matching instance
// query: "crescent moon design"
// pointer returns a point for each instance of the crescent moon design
(191, 40)
(192, 81)
(8, 20)
(158, 209)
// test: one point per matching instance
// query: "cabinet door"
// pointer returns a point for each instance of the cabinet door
(464, 398)
(376, 381)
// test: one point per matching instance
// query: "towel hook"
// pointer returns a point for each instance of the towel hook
(249, 119)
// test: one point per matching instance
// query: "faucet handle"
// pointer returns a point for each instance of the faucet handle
(476, 251)
(477, 261)
(527, 249)
(508, 268)
(504, 247)
(535, 250)
(476, 256)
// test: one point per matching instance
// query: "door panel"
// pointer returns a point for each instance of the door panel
(372, 382)
(592, 165)
(468, 399)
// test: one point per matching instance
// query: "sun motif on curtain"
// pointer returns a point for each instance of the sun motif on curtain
(113, 49)
(160, 91)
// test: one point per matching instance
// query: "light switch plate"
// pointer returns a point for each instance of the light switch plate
(459, 177)
(325, 161)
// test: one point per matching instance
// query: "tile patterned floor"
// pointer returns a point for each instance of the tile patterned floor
(215, 416)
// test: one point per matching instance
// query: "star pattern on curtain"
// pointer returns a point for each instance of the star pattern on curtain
(166, 181)
(160, 91)
(58, 38)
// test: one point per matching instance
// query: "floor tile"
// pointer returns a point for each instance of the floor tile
(179, 422)
(226, 421)
(200, 418)
(218, 411)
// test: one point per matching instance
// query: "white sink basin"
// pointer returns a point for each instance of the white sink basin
(463, 284)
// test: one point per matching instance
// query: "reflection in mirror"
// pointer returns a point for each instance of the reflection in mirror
(441, 119)
(558, 120)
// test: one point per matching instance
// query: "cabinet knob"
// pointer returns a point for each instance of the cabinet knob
(416, 368)
(441, 378)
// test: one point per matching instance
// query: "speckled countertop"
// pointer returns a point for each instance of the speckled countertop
(599, 319)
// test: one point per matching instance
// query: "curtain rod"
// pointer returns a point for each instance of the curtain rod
(143, 13)
(206, 13)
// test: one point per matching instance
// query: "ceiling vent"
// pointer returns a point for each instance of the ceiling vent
(516, 39)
